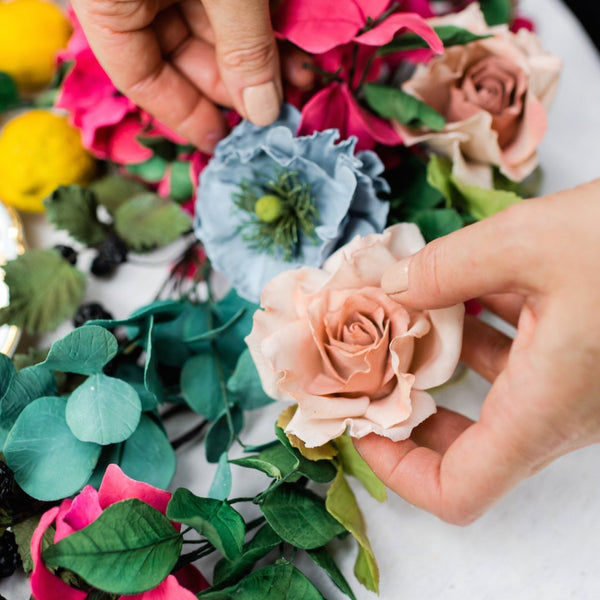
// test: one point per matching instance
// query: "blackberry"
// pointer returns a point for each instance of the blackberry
(9, 554)
(111, 253)
(6, 480)
(90, 312)
(67, 253)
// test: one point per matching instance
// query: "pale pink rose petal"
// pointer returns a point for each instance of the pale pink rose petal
(45, 585)
(405, 239)
(169, 589)
(315, 432)
(393, 409)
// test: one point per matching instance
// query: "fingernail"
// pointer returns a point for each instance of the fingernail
(262, 103)
(395, 279)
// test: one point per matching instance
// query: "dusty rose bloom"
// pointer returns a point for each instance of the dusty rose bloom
(351, 357)
(494, 94)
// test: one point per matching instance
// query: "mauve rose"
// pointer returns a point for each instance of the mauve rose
(494, 94)
(333, 342)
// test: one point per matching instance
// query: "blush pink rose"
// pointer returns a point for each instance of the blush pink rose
(333, 342)
(494, 94)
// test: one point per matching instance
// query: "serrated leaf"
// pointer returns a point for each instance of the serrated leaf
(299, 517)
(128, 549)
(9, 93)
(341, 504)
(44, 289)
(103, 410)
(497, 12)
(221, 484)
(481, 202)
(435, 223)
(324, 560)
(393, 103)
(451, 35)
(43, 473)
(201, 385)
(112, 190)
(245, 384)
(149, 221)
(74, 209)
(220, 436)
(85, 351)
(353, 464)
(218, 522)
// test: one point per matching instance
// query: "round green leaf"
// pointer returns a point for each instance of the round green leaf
(48, 461)
(246, 386)
(103, 410)
(201, 387)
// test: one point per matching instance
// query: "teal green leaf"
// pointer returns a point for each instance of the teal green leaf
(152, 170)
(435, 223)
(133, 374)
(152, 381)
(9, 93)
(341, 504)
(103, 410)
(299, 517)
(220, 435)
(149, 221)
(211, 334)
(245, 384)
(25, 386)
(273, 582)
(75, 209)
(201, 385)
(109, 455)
(353, 464)
(113, 190)
(48, 461)
(324, 560)
(218, 522)
(393, 103)
(451, 35)
(7, 372)
(229, 571)
(181, 188)
(84, 350)
(481, 202)
(45, 290)
(497, 12)
(221, 484)
(148, 456)
(128, 549)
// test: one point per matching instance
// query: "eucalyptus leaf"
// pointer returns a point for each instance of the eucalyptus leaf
(44, 289)
(245, 384)
(25, 386)
(104, 410)
(75, 209)
(7, 372)
(131, 373)
(152, 381)
(221, 484)
(217, 521)
(299, 517)
(113, 190)
(212, 334)
(109, 455)
(324, 560)
(84, 350)
(128, 549)
(201, 385)
(148, 221)
(220, 436)
(45, 474)
(393, 103)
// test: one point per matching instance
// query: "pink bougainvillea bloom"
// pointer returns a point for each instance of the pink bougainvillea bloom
(86, 507)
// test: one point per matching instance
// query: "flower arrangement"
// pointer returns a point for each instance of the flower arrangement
(421, 120)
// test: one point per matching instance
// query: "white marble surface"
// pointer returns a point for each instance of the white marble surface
(540, 542)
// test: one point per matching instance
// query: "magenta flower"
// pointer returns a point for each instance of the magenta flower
(86, 507)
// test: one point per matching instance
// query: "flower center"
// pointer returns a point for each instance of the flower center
(268, 208)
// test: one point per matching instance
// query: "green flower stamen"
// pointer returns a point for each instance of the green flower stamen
(280, 213)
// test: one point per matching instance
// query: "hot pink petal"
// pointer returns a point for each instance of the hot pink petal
(123, 145)
(63, 529)
(169, 589)
(385, 32)
(108, 112)
(84, 509)
(45, 585)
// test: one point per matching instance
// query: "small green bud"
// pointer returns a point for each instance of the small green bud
(268, 208)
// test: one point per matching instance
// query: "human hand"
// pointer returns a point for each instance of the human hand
(177, 59)
(535, 265)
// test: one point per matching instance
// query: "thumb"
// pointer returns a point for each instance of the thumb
(495, 255)
(247, 57)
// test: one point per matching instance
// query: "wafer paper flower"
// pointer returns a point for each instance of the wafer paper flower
(351, 357)
(269, 201)
(86, 507)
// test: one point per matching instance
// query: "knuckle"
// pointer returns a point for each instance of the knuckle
(429, 260)
(252, 58)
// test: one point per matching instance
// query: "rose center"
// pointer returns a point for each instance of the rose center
(490, 94)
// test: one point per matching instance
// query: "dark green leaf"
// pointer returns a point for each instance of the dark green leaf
(201, 385)
(7, 372)
(26, 385)
(245, 384)
(45, 290)
(218, 522)
(273, 582)
(104, 410)
(393, 103)
(160, 146)
(84, 350)
(451, 35)
(229, 571)
(181, 188)
(148, 456)
(221, 484)
(324, 560)
(497, 12)
(9, 93)
(113, 190)
(74, 209)
(220, 436)
(149, 221)
(152, 170)
(23, 532)
(435, 223)
(48, 461)
(299, 517)
(128, 549)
